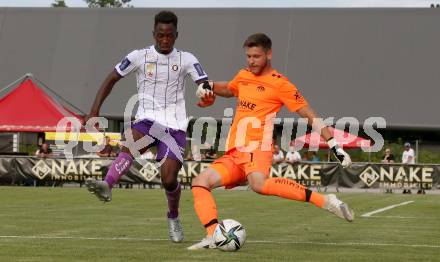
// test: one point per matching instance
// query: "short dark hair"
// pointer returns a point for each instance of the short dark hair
(165, 17)
(260, 40)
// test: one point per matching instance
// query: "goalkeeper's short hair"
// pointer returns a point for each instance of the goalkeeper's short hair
(260, 40)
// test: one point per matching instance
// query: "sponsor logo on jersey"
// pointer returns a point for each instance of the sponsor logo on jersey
(199, 69)
(246, 104)
(175, 67)
(124, 64)
(260, 88)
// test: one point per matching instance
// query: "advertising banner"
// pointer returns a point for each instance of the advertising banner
(20, 170)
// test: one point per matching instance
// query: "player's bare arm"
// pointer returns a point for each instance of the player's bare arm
(319, 126)
(315, 121)
(105, 89)
(207, 91)
(221, 89)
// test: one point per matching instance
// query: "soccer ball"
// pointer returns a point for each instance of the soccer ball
(229, 235)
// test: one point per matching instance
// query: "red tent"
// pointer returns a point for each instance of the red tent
(344, 139)
(28, 108)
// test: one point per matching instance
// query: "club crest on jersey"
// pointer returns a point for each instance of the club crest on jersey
(150, 69)
(260, 88)
(175, 67)
(298, 96)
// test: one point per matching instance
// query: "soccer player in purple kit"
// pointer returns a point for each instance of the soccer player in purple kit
(161, 117)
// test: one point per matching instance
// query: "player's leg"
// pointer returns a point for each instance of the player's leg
(258, 177)
(283, 187)
(170, 153)
(169, 170)
(204, 203)
(289, 189)
(119, 167)
(205, 206)
(222, 172)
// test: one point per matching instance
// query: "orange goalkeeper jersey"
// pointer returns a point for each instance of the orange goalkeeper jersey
(259, 98)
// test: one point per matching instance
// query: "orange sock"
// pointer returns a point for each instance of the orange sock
(290, 189)
(205, 208)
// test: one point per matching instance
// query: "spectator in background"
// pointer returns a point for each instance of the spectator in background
(194, 154)
(408, 156)
(44, 151)
(211, 153)
(315, 158)
(188, 156)
(108, 149)
(118, 148)
(388, 158)
(293, 156)
(278, 155)
(149, 155)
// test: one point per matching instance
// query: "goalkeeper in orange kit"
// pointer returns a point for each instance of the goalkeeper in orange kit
(261, 91)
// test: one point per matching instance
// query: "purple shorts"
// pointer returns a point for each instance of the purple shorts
(170, 143)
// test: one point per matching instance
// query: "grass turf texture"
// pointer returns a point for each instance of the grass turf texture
(69, 224)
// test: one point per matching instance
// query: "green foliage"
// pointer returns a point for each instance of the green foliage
(108, 3)
(426, 156)
(30, 149)
(59, 3)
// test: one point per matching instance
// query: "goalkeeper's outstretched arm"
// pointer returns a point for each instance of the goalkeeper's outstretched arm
(318, 125)
(207, 90)
(221, 89)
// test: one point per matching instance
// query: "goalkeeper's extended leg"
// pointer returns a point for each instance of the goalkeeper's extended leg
(289, 189)
(205, 206)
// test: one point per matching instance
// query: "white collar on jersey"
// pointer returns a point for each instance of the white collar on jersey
(159, 54)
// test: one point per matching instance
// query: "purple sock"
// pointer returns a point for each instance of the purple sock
(118, 168)
(173, 201)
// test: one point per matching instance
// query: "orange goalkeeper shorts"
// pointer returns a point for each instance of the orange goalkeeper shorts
(234, 166)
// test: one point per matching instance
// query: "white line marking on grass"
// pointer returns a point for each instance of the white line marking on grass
(385, 209)
(405, 217)
(344, 243)
(89, 238)
(249, 241)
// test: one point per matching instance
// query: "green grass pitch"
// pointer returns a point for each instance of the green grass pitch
(69, 224)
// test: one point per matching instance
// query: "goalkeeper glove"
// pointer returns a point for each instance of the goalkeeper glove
(205, 89)
(339, 153)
